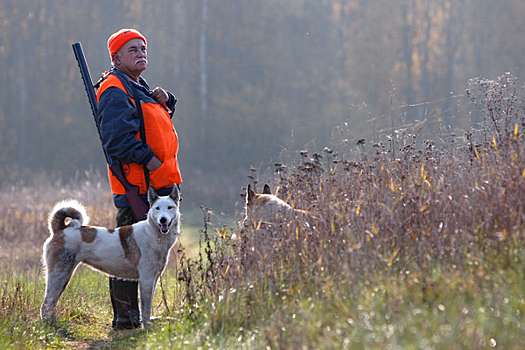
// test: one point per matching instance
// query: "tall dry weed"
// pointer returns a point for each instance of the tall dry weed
(393, 211)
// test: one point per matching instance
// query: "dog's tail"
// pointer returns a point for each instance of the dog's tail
(69, 213)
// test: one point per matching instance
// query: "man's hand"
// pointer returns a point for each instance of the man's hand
(153, 164)
(161, 96)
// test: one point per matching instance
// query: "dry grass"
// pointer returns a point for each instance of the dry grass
(383, 213)
(402, 213)
(401, 222)
(25, 206)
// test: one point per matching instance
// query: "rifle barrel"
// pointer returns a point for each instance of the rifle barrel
(86, 77)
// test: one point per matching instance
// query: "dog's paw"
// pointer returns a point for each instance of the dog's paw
(50, 321)
(150, 323)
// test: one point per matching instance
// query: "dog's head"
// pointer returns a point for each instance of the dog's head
(164, 210)
(264, 207)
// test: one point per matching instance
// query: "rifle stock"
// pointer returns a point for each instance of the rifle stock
(137, 204)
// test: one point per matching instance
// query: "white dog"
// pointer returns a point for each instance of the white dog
(138, 252)
(266, 208)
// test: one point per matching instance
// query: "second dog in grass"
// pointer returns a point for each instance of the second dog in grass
(268, 209)
(138, 252)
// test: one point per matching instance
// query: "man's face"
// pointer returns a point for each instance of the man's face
(132, 58)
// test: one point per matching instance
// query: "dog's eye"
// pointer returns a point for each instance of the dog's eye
(170, 207)
(157, 208)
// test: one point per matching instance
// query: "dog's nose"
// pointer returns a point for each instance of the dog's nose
(163, 220)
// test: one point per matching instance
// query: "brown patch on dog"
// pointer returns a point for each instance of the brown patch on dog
(54, 249)
(125, 232)
(88, 234)
(131, 250)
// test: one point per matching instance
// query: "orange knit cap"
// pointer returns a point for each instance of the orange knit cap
(118, 39)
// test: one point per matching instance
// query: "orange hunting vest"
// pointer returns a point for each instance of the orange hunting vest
(161, 137)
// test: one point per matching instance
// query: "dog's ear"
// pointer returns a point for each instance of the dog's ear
(250, 194)
(175, 194)
(152, 195)
(266, 189)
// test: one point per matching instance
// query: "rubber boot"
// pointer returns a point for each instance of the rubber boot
(124, 299)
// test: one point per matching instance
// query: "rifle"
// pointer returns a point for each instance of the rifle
(137, 204)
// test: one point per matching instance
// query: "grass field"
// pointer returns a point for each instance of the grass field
(411, 246)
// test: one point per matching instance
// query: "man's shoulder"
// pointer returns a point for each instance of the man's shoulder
(112, 80)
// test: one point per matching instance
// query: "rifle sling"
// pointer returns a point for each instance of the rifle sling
(142, 129)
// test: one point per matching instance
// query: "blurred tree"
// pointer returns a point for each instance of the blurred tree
(273, 75)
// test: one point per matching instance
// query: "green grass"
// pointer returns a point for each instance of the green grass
(478, 307)
(84, 311)
(79, 316)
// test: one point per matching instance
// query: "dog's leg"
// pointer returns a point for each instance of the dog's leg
(57, 278)
(147, 290)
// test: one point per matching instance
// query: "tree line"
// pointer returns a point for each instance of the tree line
(253, 78)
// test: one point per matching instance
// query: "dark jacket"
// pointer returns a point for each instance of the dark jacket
(119, 129)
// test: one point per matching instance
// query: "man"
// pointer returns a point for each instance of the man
(149, 159)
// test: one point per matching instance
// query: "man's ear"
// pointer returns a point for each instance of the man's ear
(115, 58)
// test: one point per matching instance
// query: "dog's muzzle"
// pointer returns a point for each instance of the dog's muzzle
(164, 225)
